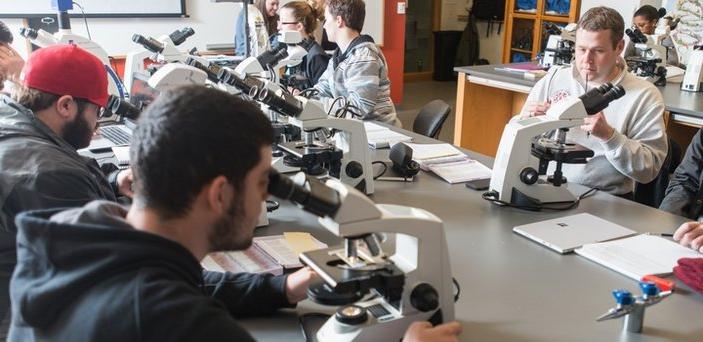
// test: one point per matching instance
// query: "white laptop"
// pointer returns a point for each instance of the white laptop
(565, 234)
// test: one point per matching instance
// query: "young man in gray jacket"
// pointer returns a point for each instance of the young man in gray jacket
(358, 71)
(628, 138)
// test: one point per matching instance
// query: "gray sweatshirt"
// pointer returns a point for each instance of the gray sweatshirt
(638, 146)
(360, 75)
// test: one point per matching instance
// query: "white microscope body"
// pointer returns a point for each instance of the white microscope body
(161, 50)
(289, 53)
(518, 171)
(512, 157)
(417, 279)
(350, 138)
(42, 38)
(693, 78)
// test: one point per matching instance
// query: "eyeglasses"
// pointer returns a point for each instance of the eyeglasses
(287, 22)
(101, 111)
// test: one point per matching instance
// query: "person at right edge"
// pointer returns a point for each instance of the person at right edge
(104, 272)
(628, 137)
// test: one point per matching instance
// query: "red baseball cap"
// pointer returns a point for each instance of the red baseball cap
(67, 69)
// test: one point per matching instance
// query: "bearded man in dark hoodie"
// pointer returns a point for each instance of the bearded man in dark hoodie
(201, 161)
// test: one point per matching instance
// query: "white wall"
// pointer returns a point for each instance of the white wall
(213, 24)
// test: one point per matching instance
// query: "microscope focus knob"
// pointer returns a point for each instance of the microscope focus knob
(529, 176)
(351, 315)
(354, 169)
(424, 297)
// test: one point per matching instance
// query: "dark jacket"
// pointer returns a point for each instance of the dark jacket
(86, 274)
(684, 195)
(38, 170)
(306, 74)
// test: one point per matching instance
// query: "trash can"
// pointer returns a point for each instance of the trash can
(445, 48)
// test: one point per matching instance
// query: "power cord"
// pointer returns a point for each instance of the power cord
(458, 290)
(493, 197)
(308, 93)
(85, 19)
(385, 168)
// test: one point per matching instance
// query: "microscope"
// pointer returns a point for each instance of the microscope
(288, 52)
(162, 50)
(345, 157)
(378, 295)
(693, 78)
(560, 45)
(524, 152)
(122, 108)
(64, 35)
(650, 62)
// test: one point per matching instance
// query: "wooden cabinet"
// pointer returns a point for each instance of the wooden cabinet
(525, 35)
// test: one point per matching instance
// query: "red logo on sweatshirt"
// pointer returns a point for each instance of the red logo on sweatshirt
(558, 96)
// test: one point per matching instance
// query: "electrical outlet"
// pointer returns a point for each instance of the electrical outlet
(401, 8)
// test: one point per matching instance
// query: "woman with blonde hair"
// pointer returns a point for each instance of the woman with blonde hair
(262, 25)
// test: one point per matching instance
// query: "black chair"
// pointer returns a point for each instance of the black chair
(652, 193)
(431, 117)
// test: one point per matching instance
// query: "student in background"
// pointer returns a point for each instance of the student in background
(11, 62)
(358, 70)
(263, 20)
(646, 19)
(628, 137)
(301, 16)
(103, 272)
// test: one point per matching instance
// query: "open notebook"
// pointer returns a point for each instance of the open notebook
(638, 255)
(448, 162)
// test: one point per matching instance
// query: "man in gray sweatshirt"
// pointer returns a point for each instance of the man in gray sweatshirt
(358, 70)
(628, 138)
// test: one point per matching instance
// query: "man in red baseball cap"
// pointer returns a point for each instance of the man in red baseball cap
(54, 111)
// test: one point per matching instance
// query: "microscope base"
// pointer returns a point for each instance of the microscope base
(384, 323)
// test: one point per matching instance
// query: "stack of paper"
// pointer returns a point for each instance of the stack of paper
(427, 154)
(383, 137)
(638, 256)
(448, 162)
(268, 254)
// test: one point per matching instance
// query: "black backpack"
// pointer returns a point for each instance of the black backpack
(493, 10)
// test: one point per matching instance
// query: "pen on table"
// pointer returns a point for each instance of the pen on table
(670, 235)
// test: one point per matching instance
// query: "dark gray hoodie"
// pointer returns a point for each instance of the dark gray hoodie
(39, 170)
(87, 275)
